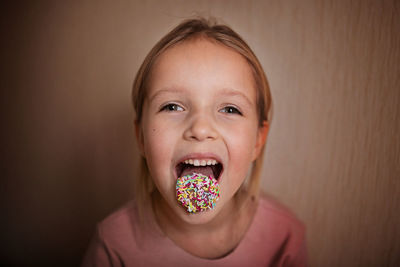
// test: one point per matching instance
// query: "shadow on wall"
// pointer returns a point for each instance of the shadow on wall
(55, 196)
(68, 144)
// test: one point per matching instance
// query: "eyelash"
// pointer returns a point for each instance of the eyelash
(171, 107)
(232, 110)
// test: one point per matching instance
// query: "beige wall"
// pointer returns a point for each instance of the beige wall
(333, 152)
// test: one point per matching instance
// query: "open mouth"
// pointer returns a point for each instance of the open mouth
(207, 167)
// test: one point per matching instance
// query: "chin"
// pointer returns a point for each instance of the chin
(198, 218)
(175, 209)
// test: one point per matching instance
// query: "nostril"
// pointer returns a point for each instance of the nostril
(201, 129)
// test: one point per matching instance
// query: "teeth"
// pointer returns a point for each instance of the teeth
(202, 162)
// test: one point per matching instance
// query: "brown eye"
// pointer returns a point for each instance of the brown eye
(230, 110)
(171, 108)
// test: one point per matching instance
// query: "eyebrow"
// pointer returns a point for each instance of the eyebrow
(164, 91)
(232, 92)
(224, 91)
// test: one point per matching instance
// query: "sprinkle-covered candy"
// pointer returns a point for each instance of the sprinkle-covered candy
(197, 192)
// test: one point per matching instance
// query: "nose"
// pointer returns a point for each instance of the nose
(200, 128)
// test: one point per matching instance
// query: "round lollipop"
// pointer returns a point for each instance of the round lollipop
(197, 192)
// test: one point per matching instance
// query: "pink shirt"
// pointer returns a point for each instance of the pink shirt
(274, 238)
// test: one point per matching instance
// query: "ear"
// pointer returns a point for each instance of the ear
(261, 139)
(139, 137)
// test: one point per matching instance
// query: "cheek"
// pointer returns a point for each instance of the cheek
(241, 148)
(157, 147)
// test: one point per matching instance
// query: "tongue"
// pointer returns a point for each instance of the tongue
(204, 170)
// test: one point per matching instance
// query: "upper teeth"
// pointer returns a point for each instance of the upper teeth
(201, 162)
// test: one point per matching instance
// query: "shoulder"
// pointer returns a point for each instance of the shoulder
(114, 235)
(120, 214)
(120, 228)
(278, 233)
(271, 210)
(278, 220)
(121, 217)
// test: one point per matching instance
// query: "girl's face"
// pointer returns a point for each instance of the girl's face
(200, 105)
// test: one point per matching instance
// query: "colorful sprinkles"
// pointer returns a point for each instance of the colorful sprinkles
(197, 192)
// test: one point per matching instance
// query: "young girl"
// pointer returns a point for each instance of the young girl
(202, 106)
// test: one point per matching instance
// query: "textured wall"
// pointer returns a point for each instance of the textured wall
(333, 153)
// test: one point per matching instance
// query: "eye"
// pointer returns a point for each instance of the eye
(230, 110)
(171, 107)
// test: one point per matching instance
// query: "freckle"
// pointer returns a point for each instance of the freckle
(154, 130)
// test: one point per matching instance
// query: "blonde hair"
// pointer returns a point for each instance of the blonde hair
(221, 34)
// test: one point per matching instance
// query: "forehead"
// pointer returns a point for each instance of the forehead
(199, 64)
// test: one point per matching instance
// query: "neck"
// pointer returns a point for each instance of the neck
(170, 223)
(222, 233)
